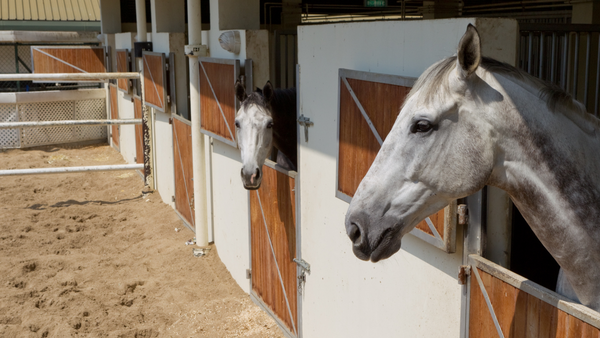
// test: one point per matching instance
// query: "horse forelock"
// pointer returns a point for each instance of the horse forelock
(258, 100)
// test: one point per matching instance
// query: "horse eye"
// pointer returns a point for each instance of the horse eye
(270, 125)
(421, 126)
(237, 124)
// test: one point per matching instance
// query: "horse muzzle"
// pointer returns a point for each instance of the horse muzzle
(371, 245)
(251, 180)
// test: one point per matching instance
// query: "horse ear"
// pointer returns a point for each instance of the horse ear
(469, 51)
(268, 91)
(240, 91)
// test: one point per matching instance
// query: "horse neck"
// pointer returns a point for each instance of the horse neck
(549, 167)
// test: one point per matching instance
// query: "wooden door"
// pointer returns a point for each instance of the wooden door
(184, 178)
(504, 304)
(139, 132)
(273, 245)
(68, 59)
(155, 80)
(368, 106)
(114, 114)
(218, 104)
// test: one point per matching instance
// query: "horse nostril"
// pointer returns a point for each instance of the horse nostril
(257, 173)
(355, 234)
(242, 172)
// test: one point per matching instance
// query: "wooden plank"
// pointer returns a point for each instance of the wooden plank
(184, 178)
(521, 314)
(278, 204)
(216, 89)
(68, 60)
(548, 318)
(579, 311)
(114, 114)
(357, 145)
(154, 80)
(481, 323)
(139, 134)
(122, 67)
(533, 317)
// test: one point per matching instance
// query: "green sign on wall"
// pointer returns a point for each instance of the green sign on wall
(375, 3)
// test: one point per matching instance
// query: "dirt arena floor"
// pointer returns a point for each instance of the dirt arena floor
(90, 255)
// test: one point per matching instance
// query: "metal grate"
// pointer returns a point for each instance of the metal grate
(9, 138)
(62, 110)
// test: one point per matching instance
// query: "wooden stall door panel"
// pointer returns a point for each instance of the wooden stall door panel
(122, 67)
(114, 114)
(68, 60)
(358, 146)
(278, 207)
(139, 134)
(154, 80)
(184, 182)
(519, 314)
(217, 99)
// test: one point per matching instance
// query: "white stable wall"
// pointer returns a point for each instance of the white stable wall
(414, 293)
(229, 198)
(127, 132)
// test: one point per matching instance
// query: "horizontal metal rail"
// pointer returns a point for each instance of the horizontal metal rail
(98, 77)
(39, 124)
(62, 170)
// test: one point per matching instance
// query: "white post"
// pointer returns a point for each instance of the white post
(140, 19)
(198, 141)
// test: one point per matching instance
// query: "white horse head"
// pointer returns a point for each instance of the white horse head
(254, 132)
(471, 121)
(421, 166)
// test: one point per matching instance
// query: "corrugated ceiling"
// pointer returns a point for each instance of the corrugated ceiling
(50, 10)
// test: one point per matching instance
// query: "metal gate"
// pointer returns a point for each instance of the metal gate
(184, 179)
(274, 275)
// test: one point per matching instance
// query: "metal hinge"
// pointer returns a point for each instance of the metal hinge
(248, 273)
(166, 66)
(305, 122)
(463, 214)
(168, 98)
(464, 271)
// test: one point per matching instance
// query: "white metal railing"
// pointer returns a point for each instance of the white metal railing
(98, 77)
(39, 124)
(65, 123)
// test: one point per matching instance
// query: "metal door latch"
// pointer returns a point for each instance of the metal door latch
(464, 271)
(305, 267)
(305, 122)
(463, 214)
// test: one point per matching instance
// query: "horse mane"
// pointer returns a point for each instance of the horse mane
(434, 83)
(284, 99)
